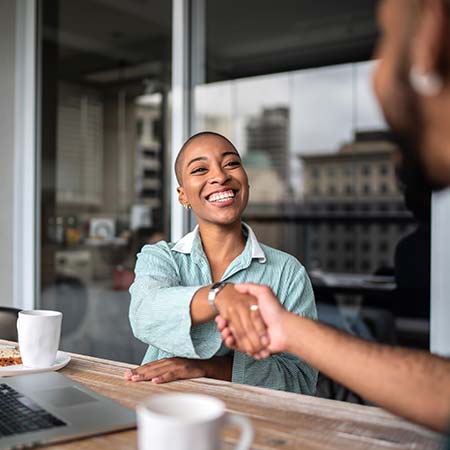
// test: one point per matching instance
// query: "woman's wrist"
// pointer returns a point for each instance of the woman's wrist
(214, 291)
(218, 367)
(222, 294)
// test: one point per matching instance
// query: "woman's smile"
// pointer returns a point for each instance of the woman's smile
(222, 198)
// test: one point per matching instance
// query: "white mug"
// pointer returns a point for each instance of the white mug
(187, 422)
(39, 333)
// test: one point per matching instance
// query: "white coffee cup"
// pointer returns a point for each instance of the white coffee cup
(187, 422)
(39, 333)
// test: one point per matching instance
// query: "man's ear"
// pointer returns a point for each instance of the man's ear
(429, 49)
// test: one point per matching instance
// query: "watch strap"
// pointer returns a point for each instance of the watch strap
(215, 289)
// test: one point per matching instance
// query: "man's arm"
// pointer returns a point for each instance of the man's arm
(411, 383)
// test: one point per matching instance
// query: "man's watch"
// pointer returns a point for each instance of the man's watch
(215, 289)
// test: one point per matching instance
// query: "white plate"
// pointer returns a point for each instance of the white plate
(62, 359)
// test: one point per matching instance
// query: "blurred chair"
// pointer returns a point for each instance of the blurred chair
(8, 319)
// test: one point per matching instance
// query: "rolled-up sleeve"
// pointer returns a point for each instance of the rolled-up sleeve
(160, 307)
(283, 371)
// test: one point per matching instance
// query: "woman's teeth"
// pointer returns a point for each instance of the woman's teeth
(221, 196)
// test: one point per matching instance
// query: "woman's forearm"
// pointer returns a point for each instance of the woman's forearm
(219, 367)
(201, 311)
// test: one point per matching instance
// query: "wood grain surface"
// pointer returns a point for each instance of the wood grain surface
(281, 420)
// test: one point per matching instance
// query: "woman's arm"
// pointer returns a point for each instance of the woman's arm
(172, 369)
(178, 319)
(160, 308)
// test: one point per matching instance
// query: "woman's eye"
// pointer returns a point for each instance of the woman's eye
(198, 170)
(233, 163)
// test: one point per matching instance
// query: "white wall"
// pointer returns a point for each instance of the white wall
(440, 274)
(7, 144)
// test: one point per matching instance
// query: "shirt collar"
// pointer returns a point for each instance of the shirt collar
(185, 244)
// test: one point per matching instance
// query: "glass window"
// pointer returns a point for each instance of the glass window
(384, 169)
(331, 245)
(105, 119)
(349, 245)
(366, 169)
(295, 97)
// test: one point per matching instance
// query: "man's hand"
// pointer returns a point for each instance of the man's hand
(165, 370)
(239, 310)
(271, 312)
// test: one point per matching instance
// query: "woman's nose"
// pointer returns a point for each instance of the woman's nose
(219, 175)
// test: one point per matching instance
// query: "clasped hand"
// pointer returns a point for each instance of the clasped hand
(239, 317)
(255, 331)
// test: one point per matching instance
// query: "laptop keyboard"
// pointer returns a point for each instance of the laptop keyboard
(20, 414)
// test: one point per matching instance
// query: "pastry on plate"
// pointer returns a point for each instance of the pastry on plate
(9, 357)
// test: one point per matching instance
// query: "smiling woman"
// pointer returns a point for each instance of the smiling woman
(181, 287)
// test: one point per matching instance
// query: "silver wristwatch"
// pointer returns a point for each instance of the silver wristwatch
(215, 289)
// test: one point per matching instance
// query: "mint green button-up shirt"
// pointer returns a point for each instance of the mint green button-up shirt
(167, 277)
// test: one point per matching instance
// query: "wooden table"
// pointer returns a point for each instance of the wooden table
(281, 420)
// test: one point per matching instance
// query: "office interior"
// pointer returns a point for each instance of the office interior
(91, 131)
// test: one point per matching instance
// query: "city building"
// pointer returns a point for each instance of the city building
(269, 133)
(357, 190)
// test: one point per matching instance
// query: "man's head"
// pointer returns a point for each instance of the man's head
(415, 37)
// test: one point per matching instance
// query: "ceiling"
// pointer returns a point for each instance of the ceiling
(112, 41)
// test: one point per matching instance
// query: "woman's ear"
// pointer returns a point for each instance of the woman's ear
(182, 195)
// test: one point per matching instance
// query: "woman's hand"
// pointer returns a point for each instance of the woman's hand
(271, 312)
(240, 311)
(168, 369)
(172, 369)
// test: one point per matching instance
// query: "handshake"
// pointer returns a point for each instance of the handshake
(251, 319)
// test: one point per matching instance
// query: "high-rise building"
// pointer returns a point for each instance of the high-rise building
(269, 133)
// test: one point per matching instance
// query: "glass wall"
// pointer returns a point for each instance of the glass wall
(290, 85)
(105, 70)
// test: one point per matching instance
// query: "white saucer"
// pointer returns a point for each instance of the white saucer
(62, 359)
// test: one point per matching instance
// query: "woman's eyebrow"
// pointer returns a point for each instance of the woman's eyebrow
(200, 158)
(231, 153)
(204, 158)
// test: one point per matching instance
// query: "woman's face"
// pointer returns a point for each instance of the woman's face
(214, 182)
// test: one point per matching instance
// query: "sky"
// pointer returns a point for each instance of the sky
(326, 104)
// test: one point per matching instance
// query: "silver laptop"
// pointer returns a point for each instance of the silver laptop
(48, 407)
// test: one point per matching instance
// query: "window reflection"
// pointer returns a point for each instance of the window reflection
(106, 80)
(323, 174)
